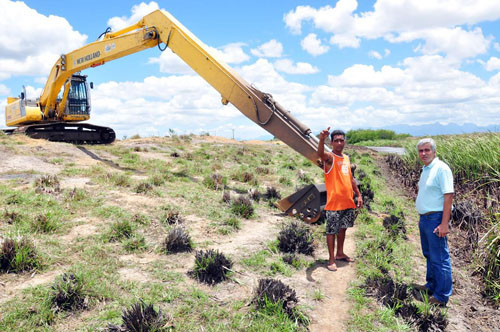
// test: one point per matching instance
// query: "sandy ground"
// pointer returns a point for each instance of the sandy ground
(34, 158)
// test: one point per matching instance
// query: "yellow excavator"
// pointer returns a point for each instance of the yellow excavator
(57, 114)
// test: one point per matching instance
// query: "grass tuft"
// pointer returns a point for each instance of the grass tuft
(142, 317)
(177, 240)
(272, 193)
(143, 188)
(215, 182)
(296, 237)
(18, 256)
(11, 217)
(274, 293)
(211, 267)
(120, 230)
(172, 217)
(242, 206)
(67, 293)
(47, 184)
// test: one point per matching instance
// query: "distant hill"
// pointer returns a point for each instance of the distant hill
(440, 129)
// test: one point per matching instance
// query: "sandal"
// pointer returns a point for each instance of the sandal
(332, 267)
(346, 259)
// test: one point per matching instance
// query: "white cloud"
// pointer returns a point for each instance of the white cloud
(456, 43)
(364, 75)
(271, 49)
(497, 46)
(492, 64)
(4, 91)
(345, 40)
(230, 53)
(326, 18)
(138, 12)
(374, 54)
(30, 42)
(185, 101)
(294, 18)
(41, 80)
(387, 52)
(424, 89)
(312, 45)
(171, 63)
(287, 66)
(437, 23)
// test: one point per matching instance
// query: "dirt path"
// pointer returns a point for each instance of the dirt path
(333, 312)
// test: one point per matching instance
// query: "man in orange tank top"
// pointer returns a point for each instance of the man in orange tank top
(340, 185)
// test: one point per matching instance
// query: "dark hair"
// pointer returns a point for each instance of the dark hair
(335, 133)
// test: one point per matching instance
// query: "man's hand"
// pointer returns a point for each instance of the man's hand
(324, 134)
(442, 230)
(360, 202)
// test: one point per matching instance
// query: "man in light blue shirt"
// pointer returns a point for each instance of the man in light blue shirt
(434, 200)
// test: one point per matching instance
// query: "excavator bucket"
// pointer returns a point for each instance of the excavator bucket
(307, 203)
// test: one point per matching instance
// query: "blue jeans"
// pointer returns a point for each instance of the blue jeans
(435, 250)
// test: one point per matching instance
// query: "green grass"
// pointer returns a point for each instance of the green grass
(471, 157)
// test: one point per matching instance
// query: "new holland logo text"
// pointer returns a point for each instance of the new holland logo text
(88, 57)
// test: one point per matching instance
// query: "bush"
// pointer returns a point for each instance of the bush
(242, 206)
(292, 260)
(177, 240)
(215, 181)
(142, 317)
(18, 256)
(211, 266)
(254, 194)
(262, 170)
(135, 243)
(76, 195)
(296, 237)
(143, 188)
(272, 292)
(395, 226)
(140, 219)
(44, 223)
(120, 230)
(67, 293)
(272, 193)
(226, 197)
(11, 217)
(47, 184)
(172, 217)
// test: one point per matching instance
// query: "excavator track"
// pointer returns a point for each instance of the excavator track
(76, 133)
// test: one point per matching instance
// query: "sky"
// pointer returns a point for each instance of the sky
(343, 64)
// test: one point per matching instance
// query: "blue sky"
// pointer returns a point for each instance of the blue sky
(344, 64)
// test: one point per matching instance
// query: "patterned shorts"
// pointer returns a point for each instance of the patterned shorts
(335, 220)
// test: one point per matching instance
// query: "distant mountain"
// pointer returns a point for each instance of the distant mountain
(440, 129)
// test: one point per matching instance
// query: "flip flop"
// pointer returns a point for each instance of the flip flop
(332, 267)
(346, 259)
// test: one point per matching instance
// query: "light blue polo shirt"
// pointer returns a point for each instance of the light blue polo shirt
(435, 181)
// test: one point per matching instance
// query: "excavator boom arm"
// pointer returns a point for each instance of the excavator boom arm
(254, 104)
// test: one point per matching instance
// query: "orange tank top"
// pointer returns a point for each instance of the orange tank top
(339, 185)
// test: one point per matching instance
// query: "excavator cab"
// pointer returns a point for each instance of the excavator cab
(78, 100)
(78, 97)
